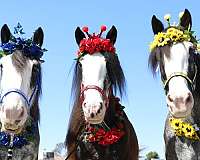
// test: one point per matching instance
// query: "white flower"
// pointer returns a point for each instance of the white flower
(167, 17)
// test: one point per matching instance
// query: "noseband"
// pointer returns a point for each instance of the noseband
(105, 93)
(27, 99)
(185, 76)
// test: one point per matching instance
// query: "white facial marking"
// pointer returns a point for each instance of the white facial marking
(13, 110)
(93, 73)
(179, 98)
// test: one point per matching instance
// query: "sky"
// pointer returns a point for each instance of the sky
(145, 102)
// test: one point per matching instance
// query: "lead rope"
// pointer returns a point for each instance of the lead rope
(10, 149)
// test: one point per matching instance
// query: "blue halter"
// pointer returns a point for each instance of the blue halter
(22, 94)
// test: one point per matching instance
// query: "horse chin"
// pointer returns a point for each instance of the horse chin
(12, 130)
(181, 115)
(94, 121)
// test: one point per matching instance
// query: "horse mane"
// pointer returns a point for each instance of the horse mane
(118, 85)
(20, 61)
(197, 61)
(156, 59)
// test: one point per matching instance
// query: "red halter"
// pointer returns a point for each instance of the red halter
(104, 93)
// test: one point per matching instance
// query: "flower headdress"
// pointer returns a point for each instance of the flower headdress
(95, 43)
(174, 33)
(28, 47)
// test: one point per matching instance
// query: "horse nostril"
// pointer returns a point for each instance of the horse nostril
(170, 98)
(101, 105)
(84, 104)
(99, 110)
(92, 115)
(188, 99)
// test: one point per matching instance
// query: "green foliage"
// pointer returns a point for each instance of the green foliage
(151, 155)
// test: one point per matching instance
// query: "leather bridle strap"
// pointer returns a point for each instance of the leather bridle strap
(181, 74)
(27, 99)
(103, 93)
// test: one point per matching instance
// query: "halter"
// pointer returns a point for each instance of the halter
(16, 141)
(104, 93)
(184, 75)
(27, 99)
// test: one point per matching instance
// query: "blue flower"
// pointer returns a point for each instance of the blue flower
(4, 139)
(19, 141)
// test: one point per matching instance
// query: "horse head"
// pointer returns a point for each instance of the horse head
(20, 79)
(97, 72)
(173, 51)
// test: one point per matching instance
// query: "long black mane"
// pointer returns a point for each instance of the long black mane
(19, 60)
(118, 85)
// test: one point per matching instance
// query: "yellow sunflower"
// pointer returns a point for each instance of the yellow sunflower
(175, 123)
(175, 36)
(183, 129)
(170, 30)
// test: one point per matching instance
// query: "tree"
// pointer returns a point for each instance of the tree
(60, 149)
(152, 155)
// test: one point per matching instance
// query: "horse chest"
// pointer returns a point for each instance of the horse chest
(28, 152)
(89, 151)
(179, 148)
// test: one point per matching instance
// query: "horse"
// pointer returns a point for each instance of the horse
(98, 127)
(20, 90)
(178, 61)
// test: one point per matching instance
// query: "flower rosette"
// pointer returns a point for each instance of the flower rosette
(183, 129)
(103, 137)
(27, 46)
(95, 44)
(172, 35)
(111, 137)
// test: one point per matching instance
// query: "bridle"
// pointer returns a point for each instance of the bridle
(27, 99)
(192, 81)
(105, 93)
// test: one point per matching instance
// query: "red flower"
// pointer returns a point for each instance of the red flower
(85, 29)
(91, 138)
(111, 137)
(91, 129)
(103, 28)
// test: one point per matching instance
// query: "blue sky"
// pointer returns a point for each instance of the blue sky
(145, 104)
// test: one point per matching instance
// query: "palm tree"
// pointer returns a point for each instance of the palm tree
(152, 155)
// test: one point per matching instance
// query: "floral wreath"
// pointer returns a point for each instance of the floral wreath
(20, 140)
(102, 134)
(173, 35)
(29, 48)
(183, 129)
(94, 43)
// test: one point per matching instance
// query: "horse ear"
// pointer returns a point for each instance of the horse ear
(186, 20)
(157, 25)
(38, 36)
(5, 34)
(112, 35)
(79, 35)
